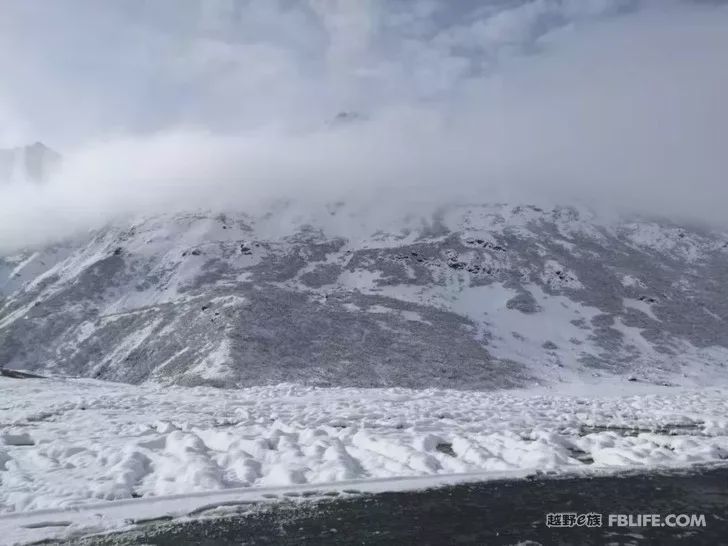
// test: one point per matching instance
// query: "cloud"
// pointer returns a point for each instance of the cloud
(228, 104)
(78, 69)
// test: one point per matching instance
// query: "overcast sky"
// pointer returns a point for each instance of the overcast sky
(156, 102)
(74, 70)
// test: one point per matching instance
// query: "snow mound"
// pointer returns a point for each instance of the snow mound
(68, 443)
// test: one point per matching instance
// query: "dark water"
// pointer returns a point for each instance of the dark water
(506, 512)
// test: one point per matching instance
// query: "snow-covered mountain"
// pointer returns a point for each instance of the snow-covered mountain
(32, 163)
(471, 296)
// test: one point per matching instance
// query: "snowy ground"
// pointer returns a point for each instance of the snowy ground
(70, 443)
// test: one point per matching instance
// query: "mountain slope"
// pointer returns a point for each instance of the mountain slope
(468, 297)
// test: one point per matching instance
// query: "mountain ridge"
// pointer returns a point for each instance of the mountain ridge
(470, 296)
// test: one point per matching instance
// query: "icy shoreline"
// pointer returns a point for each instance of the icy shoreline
(68, 443)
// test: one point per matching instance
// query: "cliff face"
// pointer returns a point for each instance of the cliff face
(476, 296)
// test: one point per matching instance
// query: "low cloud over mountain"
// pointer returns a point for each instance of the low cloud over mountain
(169, 106)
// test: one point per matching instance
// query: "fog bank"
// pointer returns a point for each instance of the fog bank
(612, 103)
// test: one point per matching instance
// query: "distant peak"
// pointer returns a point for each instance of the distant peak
(33, 163)
(347, 116)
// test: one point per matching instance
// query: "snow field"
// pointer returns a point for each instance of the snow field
(67, 443)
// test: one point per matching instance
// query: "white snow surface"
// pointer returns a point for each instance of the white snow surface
(68, 443)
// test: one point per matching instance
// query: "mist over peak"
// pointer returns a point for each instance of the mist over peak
(32, 163)
(171, 106)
